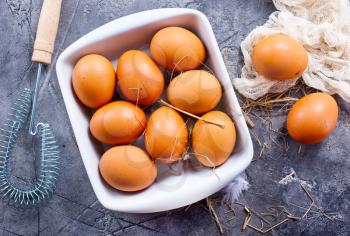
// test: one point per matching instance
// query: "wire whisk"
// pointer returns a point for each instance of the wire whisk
(45, 183)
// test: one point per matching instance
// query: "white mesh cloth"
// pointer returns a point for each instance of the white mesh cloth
(323, 28)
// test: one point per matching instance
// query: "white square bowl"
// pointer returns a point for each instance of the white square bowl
(169, 191)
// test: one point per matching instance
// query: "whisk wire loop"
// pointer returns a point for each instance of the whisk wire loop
(45, 183)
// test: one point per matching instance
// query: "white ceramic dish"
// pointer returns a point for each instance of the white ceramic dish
(169, 191)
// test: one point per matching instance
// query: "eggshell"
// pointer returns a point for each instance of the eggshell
(195, 91)
(312, 118)
(118, 122)
(166, 135)
(211, 143)
(139, 78)
(127, 168)
(93, 80)
(279, 57)
(177, 49)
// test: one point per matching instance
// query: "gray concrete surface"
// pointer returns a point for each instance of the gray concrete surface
(74, 210)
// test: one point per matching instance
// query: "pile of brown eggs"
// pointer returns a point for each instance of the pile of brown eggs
(192, 93)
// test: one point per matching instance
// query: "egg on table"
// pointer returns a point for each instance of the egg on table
(166, 135)
(178, 49)
(118, 122)
(195, 91)
(279, 57)
(312, 118)
(139, 78)
(213, 144)
(93, 80)
(127, 168)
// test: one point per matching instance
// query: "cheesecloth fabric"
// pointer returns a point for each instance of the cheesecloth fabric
(323, 28)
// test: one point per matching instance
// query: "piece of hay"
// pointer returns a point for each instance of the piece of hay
(214, 215)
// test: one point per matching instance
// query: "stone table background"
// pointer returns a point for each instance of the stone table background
(74, 210)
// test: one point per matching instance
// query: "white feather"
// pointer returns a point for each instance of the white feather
(233, 190)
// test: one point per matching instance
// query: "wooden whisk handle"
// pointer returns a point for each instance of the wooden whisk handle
(46, 33)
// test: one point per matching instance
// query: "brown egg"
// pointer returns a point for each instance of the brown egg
(312, 118)
(166, 135)
(94, 80)
(177, 49)
(211, 143)
(127, 168)
(195, 91)
(279, 57)
(139, 78)
(118, 122)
